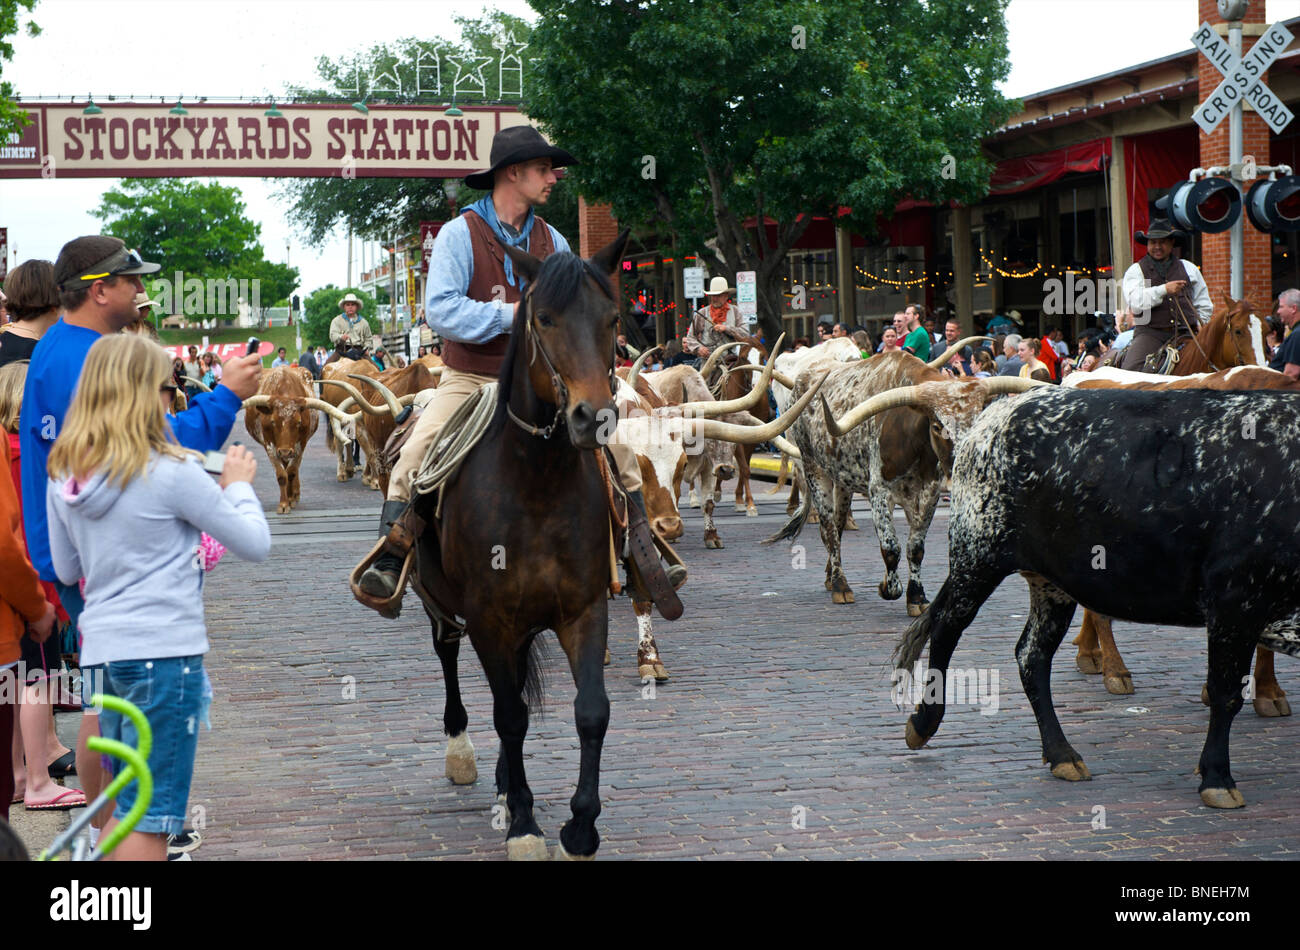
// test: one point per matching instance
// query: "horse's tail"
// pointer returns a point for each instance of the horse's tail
(796, 522)
(914, 639)
(534, 691)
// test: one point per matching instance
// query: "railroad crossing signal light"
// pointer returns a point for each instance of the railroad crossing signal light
(1275, 205)
(1210, 205)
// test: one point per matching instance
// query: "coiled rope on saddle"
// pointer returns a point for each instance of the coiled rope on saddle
(463, 430)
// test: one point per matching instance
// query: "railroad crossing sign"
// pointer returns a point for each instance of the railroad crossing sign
(1241, 78)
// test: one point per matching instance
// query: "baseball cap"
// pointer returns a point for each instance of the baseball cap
(95, 257)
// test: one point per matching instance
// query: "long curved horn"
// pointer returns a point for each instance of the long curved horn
(334, 412)
(356, 396)
(635, 371)
(789, 448)
(939, 361)
(393, 405)
(717, 355)
(256, 400)
(752, 435)
(777, 377)
(196, 382)
(911, 396)
(757, 392)
(340, 433)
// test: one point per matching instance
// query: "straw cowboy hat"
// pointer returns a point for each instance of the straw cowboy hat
(718, 285)
(519, 143)
(351, 298)
(142, 301)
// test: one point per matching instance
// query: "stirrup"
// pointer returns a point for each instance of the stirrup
(392, 606)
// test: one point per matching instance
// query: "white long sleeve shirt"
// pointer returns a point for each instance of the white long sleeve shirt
(1142, 298)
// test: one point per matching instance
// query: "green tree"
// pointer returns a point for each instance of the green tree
(322, 306)
(776, 109)
(13, 117)
(198, 228)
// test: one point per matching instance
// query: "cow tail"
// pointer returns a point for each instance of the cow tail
(796, 522)
(914, 640)
(534, 690)
(329, 432)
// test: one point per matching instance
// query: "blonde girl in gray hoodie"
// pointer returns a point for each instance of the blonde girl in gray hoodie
(126, 508)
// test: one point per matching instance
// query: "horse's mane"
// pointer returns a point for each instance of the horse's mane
(558, 282)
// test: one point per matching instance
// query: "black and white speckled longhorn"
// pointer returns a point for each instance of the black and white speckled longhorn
(1181, 512)
(886, 428)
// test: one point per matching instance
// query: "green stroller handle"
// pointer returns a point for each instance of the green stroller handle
(137, 769)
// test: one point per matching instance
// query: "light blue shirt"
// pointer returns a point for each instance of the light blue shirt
(1123, 340)
(451, 268)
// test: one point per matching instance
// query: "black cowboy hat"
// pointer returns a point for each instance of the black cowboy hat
(519, 143)
(1161, 228)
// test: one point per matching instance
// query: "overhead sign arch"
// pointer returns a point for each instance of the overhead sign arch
(307, 140)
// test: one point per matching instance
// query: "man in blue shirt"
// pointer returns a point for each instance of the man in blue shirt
(1287, 359)
(98, 279)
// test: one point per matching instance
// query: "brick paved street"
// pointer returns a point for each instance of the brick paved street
(778, 709)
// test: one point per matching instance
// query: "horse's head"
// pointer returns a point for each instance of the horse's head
(1243, 338)
(569, 323)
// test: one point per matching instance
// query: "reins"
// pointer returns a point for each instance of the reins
(557, 384)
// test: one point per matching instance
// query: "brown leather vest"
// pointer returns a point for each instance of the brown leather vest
(1162, 316)
(490, 273)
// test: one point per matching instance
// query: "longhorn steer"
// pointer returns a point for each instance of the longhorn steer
(1190, 504)
(1096, 639)
(340, 370)
(282, 418)
(666, 439)
(893, 443)
(398, 387)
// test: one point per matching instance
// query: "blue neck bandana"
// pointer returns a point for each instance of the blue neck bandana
(488, 212)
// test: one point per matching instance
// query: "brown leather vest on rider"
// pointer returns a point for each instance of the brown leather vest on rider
(1163, 315)
(490, 273)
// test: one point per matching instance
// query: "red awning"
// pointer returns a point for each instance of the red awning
(1022, 174)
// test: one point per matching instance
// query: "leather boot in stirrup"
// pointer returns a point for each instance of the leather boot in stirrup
(380, 579)
(646, 576)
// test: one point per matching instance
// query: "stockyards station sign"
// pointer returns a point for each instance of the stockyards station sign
(309, 141)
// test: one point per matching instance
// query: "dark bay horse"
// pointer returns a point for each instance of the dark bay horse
(523, 544)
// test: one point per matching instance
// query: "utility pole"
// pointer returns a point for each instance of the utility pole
(1237, 245)
(349, 283)
(392, 282)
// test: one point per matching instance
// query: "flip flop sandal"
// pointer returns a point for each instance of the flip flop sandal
(64, 765)
(68, 798)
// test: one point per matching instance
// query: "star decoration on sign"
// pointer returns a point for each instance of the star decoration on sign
(469, 69)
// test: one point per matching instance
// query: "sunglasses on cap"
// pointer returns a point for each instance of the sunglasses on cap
(123, 261)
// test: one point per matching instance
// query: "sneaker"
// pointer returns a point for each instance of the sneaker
(183, 843)
(178, 856)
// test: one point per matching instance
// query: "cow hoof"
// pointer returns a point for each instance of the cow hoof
(740, 508)
(813, 519)
(1205, 695)
(1120, 684)
(914, 739)
(713, 543)
(850, 524)
(562, 855)
(657, 670)
(842, 597)
(283, 509)
(1072, 771)
(527, 848)
(343, 478)
(607, 656)
(460, 767)
(890, 591)
(1088, 663)
(915, 610)
(1271, 707)
(1222, 798)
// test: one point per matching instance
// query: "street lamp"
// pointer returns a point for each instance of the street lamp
(451, 188)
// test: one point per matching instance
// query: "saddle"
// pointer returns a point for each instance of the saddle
(1164, 361)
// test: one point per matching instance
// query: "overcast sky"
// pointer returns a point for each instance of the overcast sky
(222, 48)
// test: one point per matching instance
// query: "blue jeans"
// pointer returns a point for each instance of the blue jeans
(169, 691)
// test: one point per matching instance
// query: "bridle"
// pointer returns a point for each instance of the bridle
(557, 383)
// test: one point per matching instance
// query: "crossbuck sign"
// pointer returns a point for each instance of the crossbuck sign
(1241, 78)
